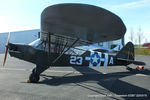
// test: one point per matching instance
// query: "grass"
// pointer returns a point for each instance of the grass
(142, 51)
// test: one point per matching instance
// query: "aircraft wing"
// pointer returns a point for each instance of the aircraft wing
(82, 21)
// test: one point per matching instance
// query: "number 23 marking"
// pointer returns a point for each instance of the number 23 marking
(75, 60)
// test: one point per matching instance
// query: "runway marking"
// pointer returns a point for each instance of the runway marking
(14, 69)
(58, 71)
(141, 75)
(55, 71)
(73, 72)
(49, 70)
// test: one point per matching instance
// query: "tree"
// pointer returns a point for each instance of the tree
(146, 41)
(131, 37)
(140, 35)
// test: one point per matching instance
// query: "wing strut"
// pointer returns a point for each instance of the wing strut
(64, 47)
(66, 50)
(49, 45)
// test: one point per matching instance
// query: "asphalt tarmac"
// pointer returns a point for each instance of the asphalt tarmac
(74, 83)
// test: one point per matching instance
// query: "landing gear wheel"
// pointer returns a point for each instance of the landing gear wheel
(128, 68)
(139, 67)
(33, 78)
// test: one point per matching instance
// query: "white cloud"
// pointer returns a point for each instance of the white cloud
(12, 28)
(146, 35)
(7, 26)
(135, 4)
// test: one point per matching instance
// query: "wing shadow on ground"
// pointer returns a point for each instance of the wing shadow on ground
(108, 83)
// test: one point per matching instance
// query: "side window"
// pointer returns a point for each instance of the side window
(41, 46)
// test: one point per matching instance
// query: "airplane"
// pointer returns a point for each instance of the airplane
(67, 26)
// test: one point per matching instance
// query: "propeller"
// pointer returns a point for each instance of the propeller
(6, 51)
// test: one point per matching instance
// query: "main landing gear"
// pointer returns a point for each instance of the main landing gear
(35, 75)
(33, 78)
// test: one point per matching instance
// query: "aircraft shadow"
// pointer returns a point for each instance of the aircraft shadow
(108, 83)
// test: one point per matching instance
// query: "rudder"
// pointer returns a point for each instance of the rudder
(127, 52)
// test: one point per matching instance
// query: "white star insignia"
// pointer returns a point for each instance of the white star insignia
(95, 59)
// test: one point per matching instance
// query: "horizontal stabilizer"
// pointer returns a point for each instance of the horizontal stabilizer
(138, 63)
(132, 61)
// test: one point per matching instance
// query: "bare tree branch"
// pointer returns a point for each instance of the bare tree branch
(140, 35)
(131, 37)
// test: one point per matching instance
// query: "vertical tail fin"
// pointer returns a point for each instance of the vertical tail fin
(127, 52)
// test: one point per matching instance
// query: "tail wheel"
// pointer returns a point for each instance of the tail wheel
(33, 78)
(139, 67)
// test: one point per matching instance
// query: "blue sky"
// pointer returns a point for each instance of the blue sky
(16, 15)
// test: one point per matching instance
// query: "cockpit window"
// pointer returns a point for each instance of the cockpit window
(56, 46)
(37, 44)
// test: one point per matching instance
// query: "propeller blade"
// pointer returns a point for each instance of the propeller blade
(6, 52)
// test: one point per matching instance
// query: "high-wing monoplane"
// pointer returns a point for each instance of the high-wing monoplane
(64, 27)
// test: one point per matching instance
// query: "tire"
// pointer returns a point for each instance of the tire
(34, 78)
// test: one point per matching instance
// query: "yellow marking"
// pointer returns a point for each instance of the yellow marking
(28, 81)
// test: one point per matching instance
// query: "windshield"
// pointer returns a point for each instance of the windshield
(35, 43)
(38, 44)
